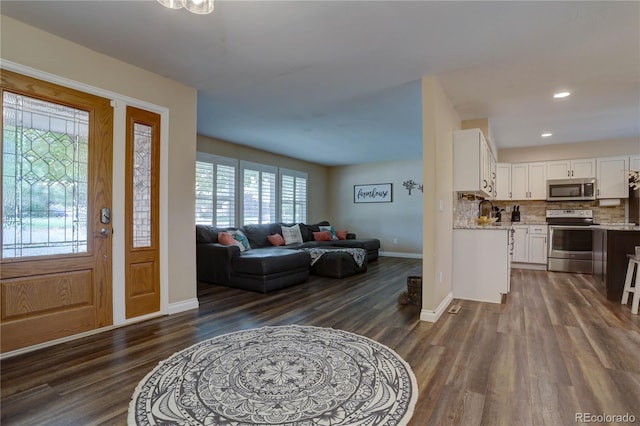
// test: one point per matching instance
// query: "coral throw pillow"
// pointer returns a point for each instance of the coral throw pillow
(276, 240)
(226, 239)
(322, 236)
(342, 235)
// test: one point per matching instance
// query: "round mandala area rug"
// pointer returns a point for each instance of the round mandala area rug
(288, 375)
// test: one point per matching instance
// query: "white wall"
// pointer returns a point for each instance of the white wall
(34, 48)
(439, 121)
(400, 219)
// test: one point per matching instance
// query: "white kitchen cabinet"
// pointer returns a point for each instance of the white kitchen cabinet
(503, 181)
(571, 169)
(634, 163)
(538, 181)
(520, 243)
(530, 244)
(481, 264)
(612, 177)
(528, 181)
(538, 244)
(472, 163)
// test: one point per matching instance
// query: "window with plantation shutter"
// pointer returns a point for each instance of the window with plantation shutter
(259, 193)
(216, 190)
(232, 193)
(293, 196)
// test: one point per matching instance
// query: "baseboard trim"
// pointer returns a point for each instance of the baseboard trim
(432, 316)
(185, 305)
(400, 254)
(43, 345)
(173, 308)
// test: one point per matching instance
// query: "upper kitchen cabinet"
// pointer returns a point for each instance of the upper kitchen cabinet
(472, 163)
(503, 181)
(612, 178)
(634, 163)
(528, 181)
(570, 169)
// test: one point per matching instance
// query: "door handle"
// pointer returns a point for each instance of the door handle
(105, 232)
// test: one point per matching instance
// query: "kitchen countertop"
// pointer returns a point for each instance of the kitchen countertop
(497, 225)
(485, 227)
(616, 227)
(507, 225)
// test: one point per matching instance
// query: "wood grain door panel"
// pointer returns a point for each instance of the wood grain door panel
(142, 270)
(50, 296)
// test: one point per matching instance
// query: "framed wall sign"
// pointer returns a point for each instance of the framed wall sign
(373, 193)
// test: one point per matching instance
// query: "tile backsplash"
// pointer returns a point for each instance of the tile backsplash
(466, 211)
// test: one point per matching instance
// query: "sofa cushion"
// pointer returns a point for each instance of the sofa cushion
(258, 233)
(366, 243)
(307, 231)
(207, 234)
(270, 260)
(276, 240)
(291, 234)
(342, 235)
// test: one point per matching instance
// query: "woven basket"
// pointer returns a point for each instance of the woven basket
(413, 294)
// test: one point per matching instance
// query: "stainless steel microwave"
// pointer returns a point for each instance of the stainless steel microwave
(571, 189)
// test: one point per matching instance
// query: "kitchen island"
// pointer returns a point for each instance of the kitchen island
(481, 264)
(611, 244)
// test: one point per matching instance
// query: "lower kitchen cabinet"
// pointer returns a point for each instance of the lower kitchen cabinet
(481, 266)
(530, 244)
(520, 243)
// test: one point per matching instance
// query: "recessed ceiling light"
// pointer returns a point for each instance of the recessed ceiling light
(546, 135)
(560, 95)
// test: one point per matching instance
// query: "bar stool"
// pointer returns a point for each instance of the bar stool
(633, 261)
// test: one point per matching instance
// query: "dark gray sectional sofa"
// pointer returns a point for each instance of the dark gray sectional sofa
(266, 268)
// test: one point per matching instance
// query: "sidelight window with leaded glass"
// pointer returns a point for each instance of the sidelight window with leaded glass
(142, 151)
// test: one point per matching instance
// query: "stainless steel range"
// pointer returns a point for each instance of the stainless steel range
(570, 241)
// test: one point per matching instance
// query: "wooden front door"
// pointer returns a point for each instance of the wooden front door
(55, 264)
(142, 272)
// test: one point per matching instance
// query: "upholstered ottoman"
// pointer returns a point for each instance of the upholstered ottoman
(337, 262)
(269, 269)
(371, 245)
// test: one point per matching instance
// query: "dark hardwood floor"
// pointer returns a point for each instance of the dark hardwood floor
(556, 348)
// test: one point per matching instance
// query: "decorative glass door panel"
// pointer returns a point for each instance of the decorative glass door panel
(44, 177)
(142, 173)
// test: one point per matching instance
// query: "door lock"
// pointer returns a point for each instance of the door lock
(105, 216)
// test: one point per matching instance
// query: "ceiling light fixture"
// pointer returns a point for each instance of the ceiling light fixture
(200, 7)
(561, 95)
(546, 135)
